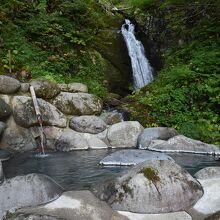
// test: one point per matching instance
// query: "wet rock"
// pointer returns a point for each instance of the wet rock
(78, 103)
(208, 173)
(73, 87)
(132, 157)
(25, 116)
(149, 134)
(1, 173)
(71, 140)
(25, 87)
(29, 190)
(151, 187)
(77, 205)
(8, 85)
(181, 143)
(5, 109)
(111, 118)
(4, 155)
(87, 124)
(210, 201)
(2, 127)
(164, 216)
(124, 134)
(16, 138)
(45, 89)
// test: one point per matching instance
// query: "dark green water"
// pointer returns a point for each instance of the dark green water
(80, 169)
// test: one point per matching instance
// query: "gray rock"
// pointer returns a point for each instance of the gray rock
(78, 103)
(76, 205)
(30, 217)
(149, 134)
(8, 85)
(73, 87)
(181, 143)
(5, 109)
(152, 187)
(71, 140)
(2, 127)
(16, 138)
(29, 190)
(94, 142)
(132, 157)
(25, 116)
(4, 155)
(210, 201)
(1, 173)
(111, 118)
(87, 124)
(208, 173)
(124, 134)
(25, 87)
(164, 216)
(45, 89)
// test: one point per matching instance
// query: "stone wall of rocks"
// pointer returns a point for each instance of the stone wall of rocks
(73, 119)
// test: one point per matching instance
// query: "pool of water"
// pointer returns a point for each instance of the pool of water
(80, 169)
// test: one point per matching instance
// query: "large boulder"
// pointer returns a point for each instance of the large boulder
(25, 191)
(208, 173)
(8, 85)
(25, 116)
(111, 118)
(124, 134)
(73, 87)
(71, 140)
(45, 89)
(149, 134)
(210, 201)
(78, 103)
(17, 138)
(158, 186)
(87, 124)
(132, 157)
(5, 109)
(1, 173)
(94, 142)
(73, 205)
(181, 143)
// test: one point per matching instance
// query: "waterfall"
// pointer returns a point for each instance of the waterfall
(142, 71)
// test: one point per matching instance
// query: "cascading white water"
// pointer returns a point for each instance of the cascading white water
(142, 71)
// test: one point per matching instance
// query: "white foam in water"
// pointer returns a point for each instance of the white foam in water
(142, 71)
(39, 155)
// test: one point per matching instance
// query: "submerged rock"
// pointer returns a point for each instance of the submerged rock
(77, 205)
(45, 88)
(208, 173)
(5, 109)
(158, 186)
(87, 124)
(73, 87)
(25, 191)
(132, 157)
(149, 134)
(181, 143)
(78, 103)
(8, 85)
(25, 116)
(124, 134)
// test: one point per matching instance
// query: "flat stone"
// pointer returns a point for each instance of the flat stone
(73, 87)
(181, 143)
(208, 173)
(149, 134)
(8, 85)
(132, 157)
(124, 134)
(210, 201)
(164, 216)
(4, 155)
(76, 205)
(25, 191)
(87, 124)
(152, 187)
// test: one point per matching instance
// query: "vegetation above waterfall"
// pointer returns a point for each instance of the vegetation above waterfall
(185, 93)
